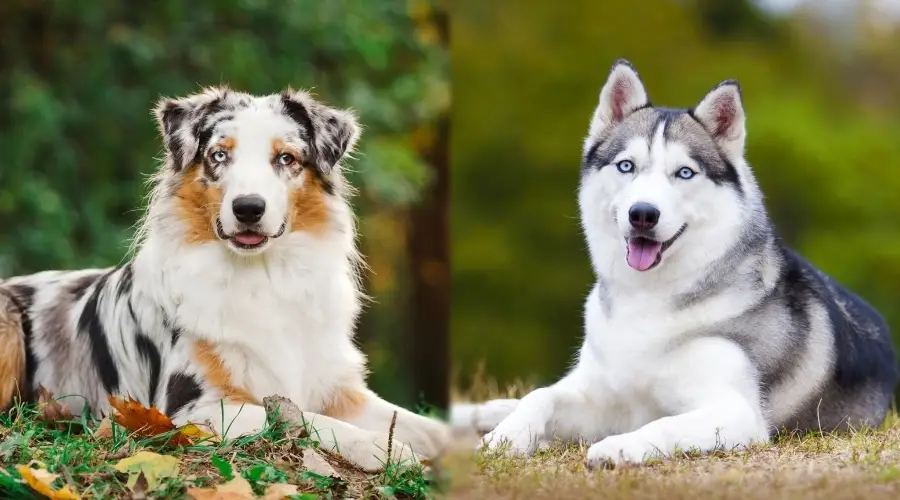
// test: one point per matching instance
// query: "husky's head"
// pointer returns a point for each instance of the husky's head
(244, 170)
(660, 185)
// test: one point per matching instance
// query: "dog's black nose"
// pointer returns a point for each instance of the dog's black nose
(248, 209)
(643, 215)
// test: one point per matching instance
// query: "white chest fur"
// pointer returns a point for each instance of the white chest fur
(282, 323)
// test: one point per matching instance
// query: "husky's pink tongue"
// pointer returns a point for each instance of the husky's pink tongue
(249, 238)
(642, 253)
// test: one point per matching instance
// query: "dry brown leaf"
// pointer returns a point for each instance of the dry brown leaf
(236, 489)
(52, 411)
(104, 430)
(279, 491)
(149, 422)
(313, 462)
(139, 490)
(40, 480)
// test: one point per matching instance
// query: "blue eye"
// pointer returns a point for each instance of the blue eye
(625, 166)
(685, 173)
(219, 156)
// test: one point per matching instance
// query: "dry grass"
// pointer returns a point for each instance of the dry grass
(861, 464)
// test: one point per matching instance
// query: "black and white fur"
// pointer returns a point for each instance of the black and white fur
(275, 308)
(704, 330)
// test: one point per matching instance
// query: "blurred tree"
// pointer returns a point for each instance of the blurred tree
(428, 241)
(79, 80)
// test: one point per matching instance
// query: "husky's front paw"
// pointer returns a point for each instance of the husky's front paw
(619, 450)
(512, 439)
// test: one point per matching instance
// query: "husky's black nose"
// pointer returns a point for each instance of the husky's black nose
(643, 215)
(248, 209)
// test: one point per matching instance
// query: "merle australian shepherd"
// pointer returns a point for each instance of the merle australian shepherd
(243, 284)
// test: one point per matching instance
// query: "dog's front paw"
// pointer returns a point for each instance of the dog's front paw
(490, 413)
(512, 439)
(428, 437)
(230, 421)
(624, 449)
(369, 451)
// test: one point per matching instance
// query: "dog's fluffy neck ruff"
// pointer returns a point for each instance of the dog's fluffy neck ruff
(211, 293)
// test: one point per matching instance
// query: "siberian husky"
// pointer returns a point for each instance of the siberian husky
(244, 284)
(703, 330)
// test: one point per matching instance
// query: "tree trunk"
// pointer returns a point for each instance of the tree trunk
(429, 265)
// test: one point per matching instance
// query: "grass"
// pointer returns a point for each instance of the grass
(87, 464)
(864, 463)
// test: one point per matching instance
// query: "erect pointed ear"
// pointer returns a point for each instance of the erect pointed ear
(622, 94)
(721, 112)
(332, 133)
(180, 122)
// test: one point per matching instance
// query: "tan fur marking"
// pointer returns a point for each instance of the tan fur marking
(309, 212)
(218, 375)
(198, 206)
(12, 350)
(227, 143)
(347, 403)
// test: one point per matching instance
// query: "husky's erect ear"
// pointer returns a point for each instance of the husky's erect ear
(331, 133)
(622, 94)
(180, 121)
(722, 114)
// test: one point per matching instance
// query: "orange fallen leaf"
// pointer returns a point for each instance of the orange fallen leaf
(149, 422)
(40, 480)
(52, 411)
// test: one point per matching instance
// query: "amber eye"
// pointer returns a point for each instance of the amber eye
(286, 159)
(219, 156)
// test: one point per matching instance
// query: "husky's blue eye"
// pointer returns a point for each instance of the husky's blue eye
(685, 173)
(625, 166)
(219, 156)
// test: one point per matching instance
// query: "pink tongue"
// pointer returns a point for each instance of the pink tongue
(249, 238)
(642, 253)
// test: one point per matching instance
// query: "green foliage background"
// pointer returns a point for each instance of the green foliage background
(78, 80)
(823, 129)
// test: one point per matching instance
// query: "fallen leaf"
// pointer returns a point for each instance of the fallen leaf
(40, 480)
(104, 429)
(236, 489)
(150, 422)
(198, 433)
(52, 411)
(313, 462)
(278, 491)
(152, 466)
(139, 490)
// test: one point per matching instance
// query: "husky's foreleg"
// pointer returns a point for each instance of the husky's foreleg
(714, 391)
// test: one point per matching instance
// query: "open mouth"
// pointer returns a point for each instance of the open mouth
(643, 253)
(247, 239)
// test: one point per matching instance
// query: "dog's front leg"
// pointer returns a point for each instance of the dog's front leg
(367, 449)
(565, 410)
(713, 388)
(226, 419)
(427, 437)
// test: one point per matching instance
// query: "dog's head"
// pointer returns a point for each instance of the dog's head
(660, 184)
(245, 170)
